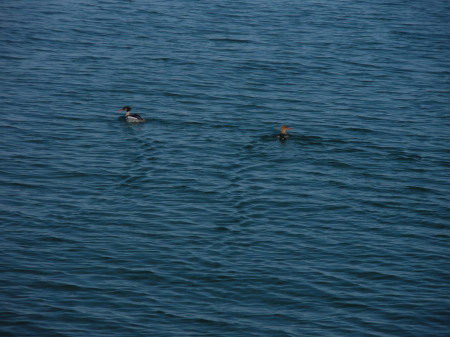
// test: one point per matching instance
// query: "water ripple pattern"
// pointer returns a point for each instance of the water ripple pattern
(200, 222)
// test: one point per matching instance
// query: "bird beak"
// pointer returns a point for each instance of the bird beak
(290, 129)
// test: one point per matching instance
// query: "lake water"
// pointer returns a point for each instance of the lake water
(200, 222)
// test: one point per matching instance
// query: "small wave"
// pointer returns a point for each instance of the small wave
(231, 40)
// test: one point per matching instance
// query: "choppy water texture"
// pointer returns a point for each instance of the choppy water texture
(199, 222)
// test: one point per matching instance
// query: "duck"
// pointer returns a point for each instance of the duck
(129, 117)
(283, 135)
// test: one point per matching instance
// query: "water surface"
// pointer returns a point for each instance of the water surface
(199, 222)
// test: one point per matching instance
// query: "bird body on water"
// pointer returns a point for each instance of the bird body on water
(129, 117)
(283, 135)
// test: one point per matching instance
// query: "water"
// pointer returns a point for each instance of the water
(199, 222)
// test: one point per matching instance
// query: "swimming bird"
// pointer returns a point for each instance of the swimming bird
(283, 135)
(129, 117)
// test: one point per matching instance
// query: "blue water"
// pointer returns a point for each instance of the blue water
(200, 222)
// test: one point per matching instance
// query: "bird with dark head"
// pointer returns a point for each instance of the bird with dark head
(283, 135)
(129, 117)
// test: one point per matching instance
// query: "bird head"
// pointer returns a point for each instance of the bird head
(284, 128)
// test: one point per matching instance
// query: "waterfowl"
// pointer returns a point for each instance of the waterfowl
(129, 117)
(283, 135)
